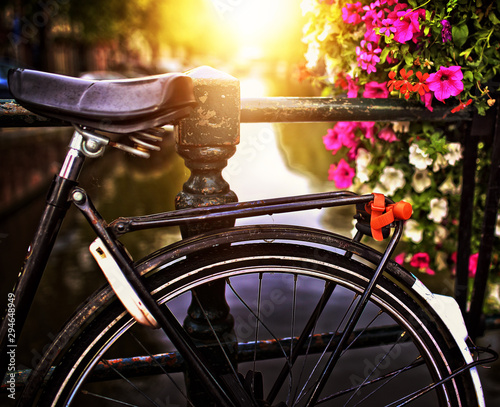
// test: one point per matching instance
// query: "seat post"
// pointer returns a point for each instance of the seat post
(206, 140)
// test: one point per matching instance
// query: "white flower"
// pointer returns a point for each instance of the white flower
(392, 179)
(439, 162)
(327, 31)
(362, 160)
(421, 181)
(439, 210)
(497, 226)
(454, 153)
(440, 260)
(401, 127)
(312, 55)
(309, 6)
(448, 187)
(440, 234)
(412, 231)
(419, 158)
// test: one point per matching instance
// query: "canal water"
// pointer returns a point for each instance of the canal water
(271, 161)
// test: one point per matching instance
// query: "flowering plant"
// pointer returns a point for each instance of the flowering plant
(442, 51)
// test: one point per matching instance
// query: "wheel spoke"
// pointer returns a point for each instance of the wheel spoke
(260, 321)
(306, 387)
(375, 368)
(123, 403)
(155, 361)
(306, 303)
(306, 333)
(338, 394)
(257, 324)
(216, 336)
(131, 384)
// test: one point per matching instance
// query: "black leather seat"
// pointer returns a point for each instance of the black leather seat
(120, 106)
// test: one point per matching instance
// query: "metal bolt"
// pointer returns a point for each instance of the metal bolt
(92, 146)
(78, 197)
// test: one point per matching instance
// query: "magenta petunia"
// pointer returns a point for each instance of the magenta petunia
(400, 258)
(376, 90)
(342, 174)
(427, 99)
(368, 129)
(352, 87)
(406, 25)
(332, 141)
(446, 82)
(473, 264)
(446, 31)
(351, 13)
(387, 134)
(343, 134)
(421, 261)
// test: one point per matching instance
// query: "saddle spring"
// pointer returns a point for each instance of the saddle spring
(144, 141)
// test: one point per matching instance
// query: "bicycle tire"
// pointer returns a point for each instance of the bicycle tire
(292, 260)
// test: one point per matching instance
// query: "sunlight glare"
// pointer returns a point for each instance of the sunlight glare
(252, 87)
(258, 25)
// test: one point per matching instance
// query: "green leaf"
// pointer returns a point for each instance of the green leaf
(383, 55)
(468, 76)
(493, 18)
(466, 53)
(460, 33)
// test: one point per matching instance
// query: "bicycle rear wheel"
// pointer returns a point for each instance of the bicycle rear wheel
(288, 302)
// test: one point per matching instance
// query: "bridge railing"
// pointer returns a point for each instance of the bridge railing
(208, 138)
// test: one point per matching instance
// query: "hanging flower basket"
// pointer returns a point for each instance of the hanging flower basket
(433, 52)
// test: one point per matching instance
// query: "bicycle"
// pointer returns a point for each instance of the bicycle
(358, 328)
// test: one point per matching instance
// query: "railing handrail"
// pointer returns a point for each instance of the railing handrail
(284, 109)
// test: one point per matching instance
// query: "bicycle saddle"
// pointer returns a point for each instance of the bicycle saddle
(119, 106)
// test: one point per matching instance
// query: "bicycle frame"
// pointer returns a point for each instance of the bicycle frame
(64, 191)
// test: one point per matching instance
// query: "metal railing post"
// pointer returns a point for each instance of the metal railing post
(206, 140)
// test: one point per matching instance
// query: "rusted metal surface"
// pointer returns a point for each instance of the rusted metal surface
(206, 140)
(202, 128)
(323, 109)
(14, 115)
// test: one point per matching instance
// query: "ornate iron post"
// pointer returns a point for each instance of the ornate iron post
(206, 140)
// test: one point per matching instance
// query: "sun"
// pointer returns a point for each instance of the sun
(258, 25)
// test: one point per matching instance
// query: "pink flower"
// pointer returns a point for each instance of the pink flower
(368, 129)
(367, 56)
(350, 13)
(372, 19)
(331, 141)
(388, 135)
(406, 25)
(473, 264)
(400, 258)
(387, 27)
(342, 134)
(376, 90)
(427, 99)
(446, 31)
(421, 261)
(446, 82)
(352, 87)
(342, 174)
